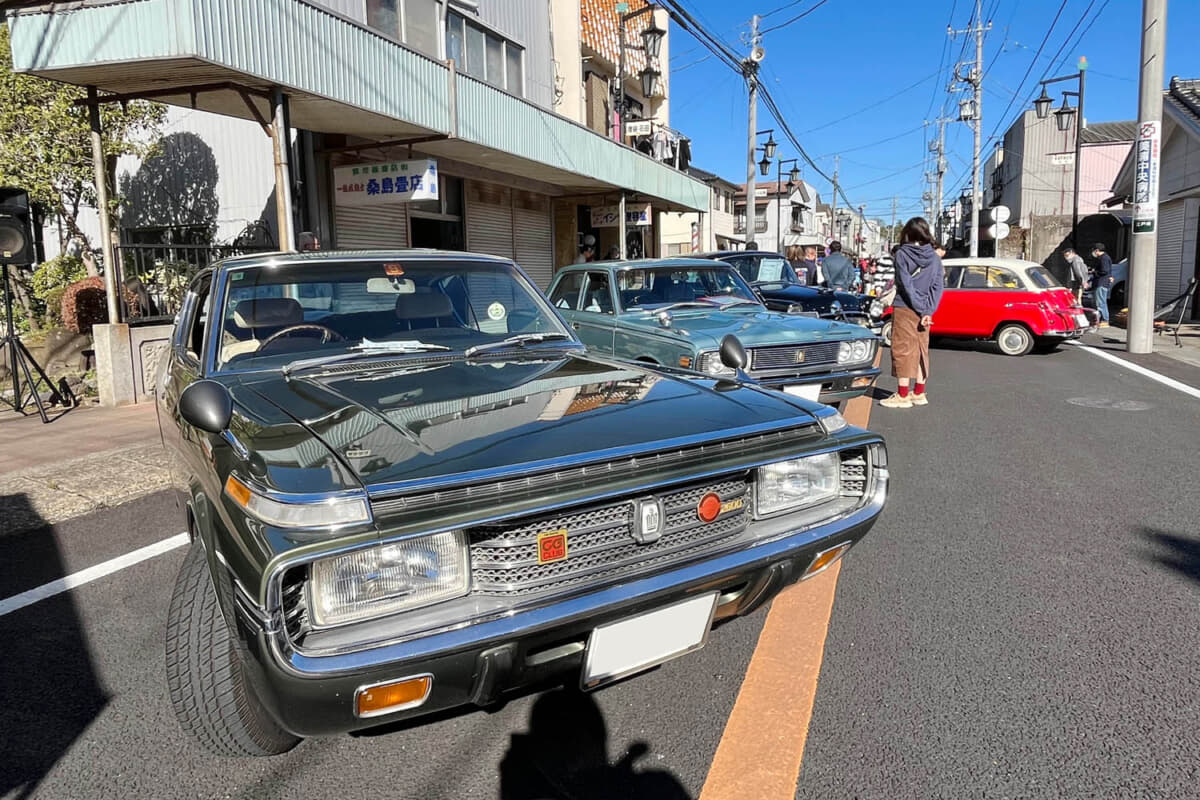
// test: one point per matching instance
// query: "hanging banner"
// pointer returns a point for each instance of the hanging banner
(390, 182)
(1145, 177)
(610, 216)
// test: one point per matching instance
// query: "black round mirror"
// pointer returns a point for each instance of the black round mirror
(733, 354)
(206, 405)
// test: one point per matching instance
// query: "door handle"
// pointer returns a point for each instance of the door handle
(575, 325)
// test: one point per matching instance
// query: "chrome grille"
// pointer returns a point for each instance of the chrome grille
(504, 558)
(785, 356)
(295, 609)
(854, 473)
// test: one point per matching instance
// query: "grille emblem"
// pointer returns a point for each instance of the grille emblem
(647, 520)
(552, 546)
(710, 507)
(799, 356)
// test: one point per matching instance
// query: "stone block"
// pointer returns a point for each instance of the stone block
(149, 344)
(114, 365)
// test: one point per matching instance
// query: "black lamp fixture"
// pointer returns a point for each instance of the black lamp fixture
(769, 148)
(794, 175)
(1063, 115)
(764, 166)
(652, 39)
(650, 78)
(1042, 104)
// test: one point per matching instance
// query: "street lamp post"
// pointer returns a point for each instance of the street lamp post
(768, 149)
(1062, 120)
(652, 37)
(793, 177)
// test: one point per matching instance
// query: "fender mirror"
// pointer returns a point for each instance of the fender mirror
(733, 354)
(206, 405)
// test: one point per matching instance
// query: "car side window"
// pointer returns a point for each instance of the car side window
(974, 277)
(953, 274)
(1000, 278)
(566, 292)
(596, 295)
(194, 323)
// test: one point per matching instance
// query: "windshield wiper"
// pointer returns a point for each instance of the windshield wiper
(364, 349)
(520, 340)
(681, 304)
(741, 303)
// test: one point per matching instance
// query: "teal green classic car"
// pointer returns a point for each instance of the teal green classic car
(676, 311)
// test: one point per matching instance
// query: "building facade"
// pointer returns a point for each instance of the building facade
(682, 233)
(785, 214)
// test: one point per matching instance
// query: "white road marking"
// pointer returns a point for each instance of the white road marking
(1139, 369)
(85, 576)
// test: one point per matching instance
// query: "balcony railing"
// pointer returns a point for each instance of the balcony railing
(760, 226)
(155, 277)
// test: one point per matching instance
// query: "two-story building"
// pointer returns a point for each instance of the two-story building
(681, 233)
(785, 214)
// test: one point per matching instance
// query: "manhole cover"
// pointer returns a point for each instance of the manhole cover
(1109, 403)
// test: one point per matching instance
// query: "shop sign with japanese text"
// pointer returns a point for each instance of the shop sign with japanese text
(610, 216)
(383, 183)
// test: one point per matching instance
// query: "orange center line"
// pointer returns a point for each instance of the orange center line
(762, 747)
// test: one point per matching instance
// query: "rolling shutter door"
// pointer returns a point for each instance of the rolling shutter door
(489, 219)
(1167, 282)
(534, 237)
(365, 227)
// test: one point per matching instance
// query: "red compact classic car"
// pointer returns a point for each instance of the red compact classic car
(1017, 304)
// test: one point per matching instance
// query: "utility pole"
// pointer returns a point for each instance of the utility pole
(892, 230)
(750, 70)
(975, 79)
(833, 220)
(941, 176)
(1143, 258)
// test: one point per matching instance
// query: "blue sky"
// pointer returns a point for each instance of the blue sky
(878, 60)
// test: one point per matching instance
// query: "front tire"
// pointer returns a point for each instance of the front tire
(1014, 339)
(210, 693)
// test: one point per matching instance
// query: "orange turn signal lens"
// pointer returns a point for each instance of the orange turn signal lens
(685, 361)
(861, 382)
(824, 558)
(384, 698)
(239, 491)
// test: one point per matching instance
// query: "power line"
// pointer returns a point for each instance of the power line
(796, 18)
(872, 106)
(783, 7)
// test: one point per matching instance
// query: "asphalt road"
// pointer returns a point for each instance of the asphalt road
(1022, 622)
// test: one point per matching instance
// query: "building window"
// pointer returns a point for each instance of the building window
(485, 55)
(716, 200)
(414, 22)
(674, 249)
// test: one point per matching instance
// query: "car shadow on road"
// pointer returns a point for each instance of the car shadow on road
(1180, 553)
(50, 688)
(564, 754)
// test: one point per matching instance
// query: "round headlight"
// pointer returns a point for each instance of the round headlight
(836, 307)
(875, 310)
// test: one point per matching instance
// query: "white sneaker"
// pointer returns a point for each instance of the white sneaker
(919, 399)
(896, 401)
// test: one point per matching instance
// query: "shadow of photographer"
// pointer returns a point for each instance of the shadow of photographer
(564, 756)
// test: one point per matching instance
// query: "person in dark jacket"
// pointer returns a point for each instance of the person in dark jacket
(839, 270)
(919, 283)
(1102, 281)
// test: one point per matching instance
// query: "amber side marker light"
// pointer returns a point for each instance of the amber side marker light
(857, 382)
(824, 558)
(384, 698)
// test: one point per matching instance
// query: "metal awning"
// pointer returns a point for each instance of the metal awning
(339, 78)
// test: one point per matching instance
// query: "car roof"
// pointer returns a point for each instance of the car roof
(281, 258)
(727, 253)
(643, 263)
(1010, 263)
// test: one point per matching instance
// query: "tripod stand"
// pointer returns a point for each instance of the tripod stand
(20, 361)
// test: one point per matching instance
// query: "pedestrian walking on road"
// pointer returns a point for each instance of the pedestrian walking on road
(1079, 272)
(839, 270)
(919, 282)
(1102, 281)
(795, 256)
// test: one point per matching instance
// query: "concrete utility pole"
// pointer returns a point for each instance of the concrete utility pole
(941, 177)
(1143, 258)
(750, 70)
(975, 80)
(892, 230)
(106, 246)
(833, 220)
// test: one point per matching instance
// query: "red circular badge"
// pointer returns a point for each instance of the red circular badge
(709, 507)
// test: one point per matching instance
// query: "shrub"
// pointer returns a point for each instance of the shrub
(50, 282)
(84, 305)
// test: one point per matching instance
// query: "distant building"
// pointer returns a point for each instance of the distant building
(682, 233)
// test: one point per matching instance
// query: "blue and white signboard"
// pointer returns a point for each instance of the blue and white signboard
(610, 216)
(385, 183)
(1145, 177)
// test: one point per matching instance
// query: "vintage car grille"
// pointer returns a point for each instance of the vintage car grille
(792, 356)
(854, 473)
(504, 558)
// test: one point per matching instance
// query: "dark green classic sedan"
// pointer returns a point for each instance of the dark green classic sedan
(676, 311)
(410, 488)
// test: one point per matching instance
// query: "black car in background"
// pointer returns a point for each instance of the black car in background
(781, 290)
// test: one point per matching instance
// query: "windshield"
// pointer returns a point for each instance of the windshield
(652, 287)
(275, 315)
(1043, 278)
(765, 269)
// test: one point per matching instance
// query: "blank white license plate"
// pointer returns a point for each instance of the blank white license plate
(809, 391)
(1081, 320)
(631, 645)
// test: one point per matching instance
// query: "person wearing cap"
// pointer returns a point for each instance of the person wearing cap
(1079, 272)
(1102, 281)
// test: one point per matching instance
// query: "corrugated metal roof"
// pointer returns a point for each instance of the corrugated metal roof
(1110, 132)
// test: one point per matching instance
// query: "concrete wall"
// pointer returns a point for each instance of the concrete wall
(566, 59)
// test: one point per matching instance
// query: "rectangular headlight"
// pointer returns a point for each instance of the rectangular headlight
(796, 483)
(388, 578)
(325, 512)
(711, 363)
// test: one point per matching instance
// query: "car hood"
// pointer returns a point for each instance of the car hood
(706, 329)
(811, 297)
(461, 418)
